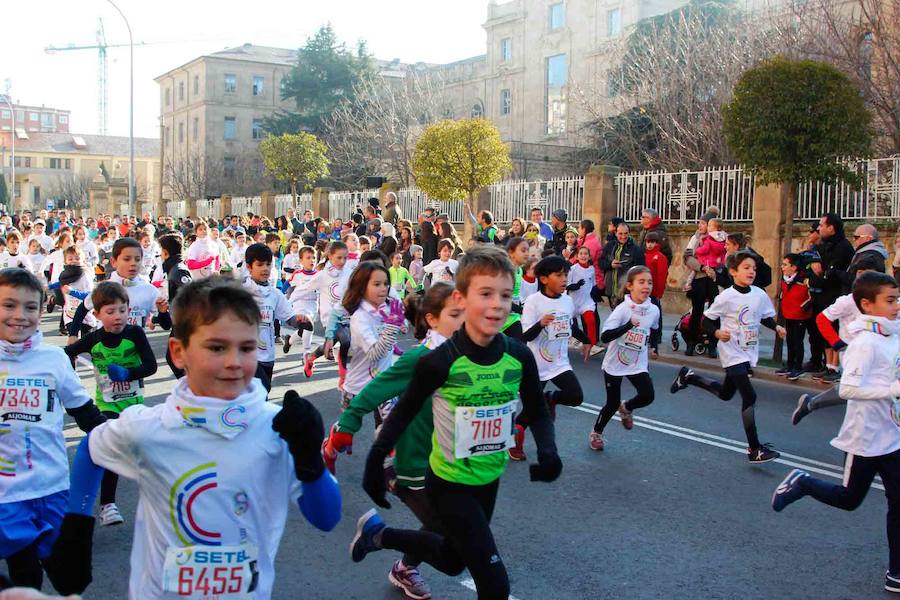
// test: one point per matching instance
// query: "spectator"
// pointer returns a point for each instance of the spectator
(391, 213)
(428, 241)
(700, 288)
(447, 231)
(557, 242)
(516, 228)
(658, 264)
(537, 217)
(359, 226)
(618, 256)
(795, 308)
(611, 228)
(870, 251)
(388, 244)
(896, 263)
(650, 221)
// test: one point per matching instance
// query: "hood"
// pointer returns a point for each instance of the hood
(719, 236)
(70, 274)
(879, 325)
(873, 246)
(225, 418)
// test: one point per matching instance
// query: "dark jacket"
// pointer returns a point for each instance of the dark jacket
(391, 214)
(388, 245)
(871, 255)
(629, 254)
(836, 252)
(558, 242)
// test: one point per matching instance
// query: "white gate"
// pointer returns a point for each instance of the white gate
(878, 196)
(208, 209)
(177, 209)
(511, 199)
(413, 201)
(241, 205)
(342, 204)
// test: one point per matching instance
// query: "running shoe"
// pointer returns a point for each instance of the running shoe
(802, 409)
(782, 372)
(831, 377)
(892, 582)
(596, 441)
(811, 367)
(279, 340)
(817, 373)
(308, 364)
(517, 452)
(367, 527)
(795, 375)
(409, 580)
(789, 490)
(597, 350)
(626, 416)
(763, 454)
(287, 344)
(680, 381)
(110, 515)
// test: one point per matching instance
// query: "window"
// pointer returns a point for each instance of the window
(181, 91)
(5, 114)
(613, 83)
(449, 113)
(168, 97)
(196, 85)
(230, 128)
(613, 22)
(555, 93)
(257, 130)
(557, 16)
(60, 163)
(506, 50)
(257, 85)
(228, 166)
(23, 161)
(477, 110)
(230, 83)
(20, 116)
(46, 120)
(181, 133)
(196, 129)
(32, 116)
(505, 102)
(63, 119)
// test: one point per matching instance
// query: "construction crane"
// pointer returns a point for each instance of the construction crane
(102, 71)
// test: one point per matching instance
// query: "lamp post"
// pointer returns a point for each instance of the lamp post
(131, 188)
(12, 162)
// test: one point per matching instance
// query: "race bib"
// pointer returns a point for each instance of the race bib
(136, 316)
(560, 327)
(117, 391)
(482, 430)
(25, 399)
(265, 326)
(748, 336)
(211, 571)
(895, 411)
(636, 338)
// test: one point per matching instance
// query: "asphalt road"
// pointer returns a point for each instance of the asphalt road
(671, 509)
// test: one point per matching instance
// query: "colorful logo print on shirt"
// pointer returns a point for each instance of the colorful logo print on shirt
(193, 415)
(7, 467)
(231, 418)
(744, 315)
(183, 505)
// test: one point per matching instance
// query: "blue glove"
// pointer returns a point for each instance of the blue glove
(117, 373)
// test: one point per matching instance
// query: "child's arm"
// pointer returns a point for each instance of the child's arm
(616, 325)
(533, 323)
(855, 385)
(148, 360)
(379, 346)
(82, 346)
(78, 319)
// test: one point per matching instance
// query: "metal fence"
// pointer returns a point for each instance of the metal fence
(176, 209)
(683, 197)
(241, 205)
(284, 202)
(413, 201)
(511, 199)
(878, 196)
(344, 203)
(208, 209)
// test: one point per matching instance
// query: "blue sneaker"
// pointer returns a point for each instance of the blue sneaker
(789, 490)
(368, 526)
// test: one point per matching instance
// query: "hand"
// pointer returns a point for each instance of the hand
(586, 351)
(635, 322)
(710, 272)
(162, 305)
(69, 565)
(395, 315)
(72, 339)
(616, 264)
(300, 425)
(65, 289)
(781, 331)
(547, 469)
(547, 319)
(723, 335)
(398, 351)
(373, 479)
(117, 373)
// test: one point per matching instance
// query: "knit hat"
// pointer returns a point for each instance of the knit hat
(560, 214)
(414, 248)
(616, 221)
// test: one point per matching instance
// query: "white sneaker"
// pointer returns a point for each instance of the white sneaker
(597, 350)
(110, 515)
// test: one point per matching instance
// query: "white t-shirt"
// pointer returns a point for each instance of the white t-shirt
(330, 283)
(582, 296)
(366, 326)
(740, 315)
(272, 305)
(210, 473)
(34, 262)
(872, 362)
(304, 298)
(142, 297)
(35, 388)
(845, 311)
(527, 289)
(627, 354)
(8, 260)
(438, 270)
(551, 346)
(89, 252)
(85, 283)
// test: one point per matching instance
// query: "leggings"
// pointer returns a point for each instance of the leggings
(656, 336)
(589, 325)
(737, 379)
(859, 471)
(465, 512)
(796, 329)
(698, 294)
(568, 393)
(110, 480)
(417, 501)
(264, 373)
(342, 337)
(829, 397)
(643, 385)
(25, 568)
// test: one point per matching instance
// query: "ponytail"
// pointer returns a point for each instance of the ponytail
(431, 303)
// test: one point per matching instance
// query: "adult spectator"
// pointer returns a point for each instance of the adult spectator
(439, 219)
(429, 213)
(295, 225)
(836, 252)
(701, 287)
(588, 237)
(650, 221)
(618, 256)
(391, 213)
(234, 225)
(448, 232)
(537, 217)
(870, 251)
(611, 228)
(557, 241)
(388, 244)
(428, 240)
(359, 224)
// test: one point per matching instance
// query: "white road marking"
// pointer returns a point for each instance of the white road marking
(470, 584)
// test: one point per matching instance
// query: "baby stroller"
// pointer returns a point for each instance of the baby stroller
(683, 328)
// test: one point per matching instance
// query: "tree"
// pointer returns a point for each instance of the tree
(294, 158)
(192, 176)
(70, 189)
(324, 75)
(4, 194)
(790, 121)
(455, 159)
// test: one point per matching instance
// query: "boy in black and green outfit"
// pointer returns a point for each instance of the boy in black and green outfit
(122, 358)
(473, 378)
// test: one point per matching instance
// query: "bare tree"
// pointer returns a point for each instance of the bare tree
(192, 175)
(71, 189)
(375, 131)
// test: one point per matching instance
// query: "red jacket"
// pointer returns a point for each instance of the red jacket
(659, 270)
(793, 297)
(710, 252)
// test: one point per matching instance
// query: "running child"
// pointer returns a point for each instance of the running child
(122, 359)
(216, 465)
(11, 257)
(330, 284)
(177, 276)
(734, 319)
(34, 258)
(529, 281)
(581, 284)
(517, 250)
(629, 331)
(76, 283)
(416, 268)
(443, 268)
(304, 301)
(401, 280)
(38, 385)
(870, 433)
(475, 378)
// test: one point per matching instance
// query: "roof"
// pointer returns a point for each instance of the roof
(71, 143)
(253, 53)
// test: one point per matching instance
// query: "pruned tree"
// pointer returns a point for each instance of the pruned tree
(192, 175)
(295, 158)
(71, 189)
(375, 130)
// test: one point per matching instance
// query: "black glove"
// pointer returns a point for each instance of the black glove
(839, 345)
(449, 272)
(373, 478)
(300, 425)
(547, 469)
(575, 286)
(69, 565)
(596, 294)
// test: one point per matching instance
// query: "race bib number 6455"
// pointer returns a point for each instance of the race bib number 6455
(211, 571)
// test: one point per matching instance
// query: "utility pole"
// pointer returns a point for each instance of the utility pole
(12, 136)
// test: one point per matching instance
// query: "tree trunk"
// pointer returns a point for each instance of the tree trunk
(786, 242)
(468, 227)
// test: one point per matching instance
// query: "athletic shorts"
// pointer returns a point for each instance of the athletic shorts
(32, 521)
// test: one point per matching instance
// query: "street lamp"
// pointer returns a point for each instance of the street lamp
(12, 162)
(131, 188)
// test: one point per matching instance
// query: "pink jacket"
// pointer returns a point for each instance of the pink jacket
(596, 249)
(710, 252)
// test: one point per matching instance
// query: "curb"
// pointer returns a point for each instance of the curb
(759, 372)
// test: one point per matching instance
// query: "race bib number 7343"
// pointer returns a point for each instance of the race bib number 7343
(211, 571)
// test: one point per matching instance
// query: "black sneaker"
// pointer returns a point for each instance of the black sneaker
(795, 375)
(680, 381)
(287, 344)
(892, 582)
(782, 372)
(811, 367)
(802, 409)
(763, 454)
(830, 377)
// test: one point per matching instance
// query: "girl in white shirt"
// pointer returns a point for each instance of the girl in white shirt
(582, 280)
(628, 333)
(87, 247)
(34, 258)
(443, 268)
(202, 258)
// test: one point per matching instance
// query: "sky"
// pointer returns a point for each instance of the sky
(177, 31)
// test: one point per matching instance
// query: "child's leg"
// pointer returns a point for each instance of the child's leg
(343, 338)
(417, 501)
(889, 469)
(613, 399)
(794, 343)
(657, 337)
(277, 328)
(569, 392)
(590, 326)
(264, 373)
(307, 340)
(110, 480)
(859, 471)
(25, 568)
(741, 382)
(829, 397)
(643, 387)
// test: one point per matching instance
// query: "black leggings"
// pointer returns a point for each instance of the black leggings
(25, 568)
(796, 329)
(737, 379)
(859, 471)
(417, 501)
(643, 385)
(465, 512)
(568, 393)
(110, 480)
(341, 336)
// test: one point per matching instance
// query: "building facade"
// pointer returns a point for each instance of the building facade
(34, 119)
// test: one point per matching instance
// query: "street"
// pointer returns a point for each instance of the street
(671, 509)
